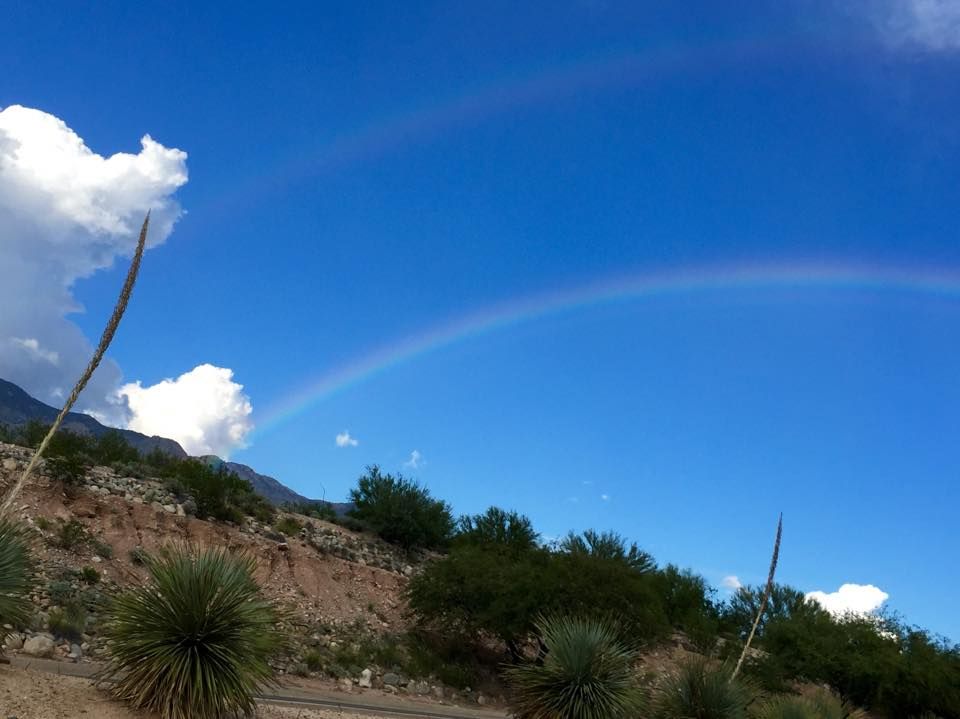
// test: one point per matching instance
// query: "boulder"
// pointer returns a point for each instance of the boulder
(13, 642)
(391, 679)
(366, 679)
(38, 646)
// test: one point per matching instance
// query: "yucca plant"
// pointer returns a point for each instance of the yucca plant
(15, 569)
(700, 689)
(587, 673)
(819, 705)
(195, 640)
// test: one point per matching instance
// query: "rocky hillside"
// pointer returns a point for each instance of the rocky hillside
(88, 540)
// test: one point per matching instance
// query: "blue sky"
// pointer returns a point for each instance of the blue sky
(360, 175)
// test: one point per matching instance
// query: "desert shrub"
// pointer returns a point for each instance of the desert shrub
(401, 511)
(702, 690)
(195, 640)
(287, 526)
(587, 673)
(44, 524)
(314, 660)
(101, 548)
(110, 448)
(69, 471)
(15, 570)
(90, 575)
(69, 622)
(217, 492)
(818, 705)
(71, 536)
(60, 591)
(139, 556)
(496, 527)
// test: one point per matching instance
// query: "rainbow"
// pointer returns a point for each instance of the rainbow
(617, 289)
(555, 83)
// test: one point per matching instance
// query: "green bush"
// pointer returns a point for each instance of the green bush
(15, 569)
(314, 660)
(101, 548)
(195, 640)
(217, 492)
(401, 511)
(60, 591)
(287, 526)
(139, 556)
(818, 705)
(497, 528)
(71, 536)
(69, 622)
(587, 673)
(90, 575)
(701, 690)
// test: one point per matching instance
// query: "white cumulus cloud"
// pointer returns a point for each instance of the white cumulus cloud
(65, 213)
(203, 409)
(932, 25)
(345, 440)
(731, 582)
(850, 599)
(415, 461)
(605, 497)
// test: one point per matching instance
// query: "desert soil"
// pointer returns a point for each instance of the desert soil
(29, 694)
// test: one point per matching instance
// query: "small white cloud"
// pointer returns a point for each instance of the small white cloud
(932, 25)
(850, 599)
(587, 482)
(731, 582)
(415, 461)
(605, 497)
(345, 440)
(203, 409)
(32, 347)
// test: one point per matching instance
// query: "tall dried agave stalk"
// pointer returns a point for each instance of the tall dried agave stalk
(763, 601)
(105, 340)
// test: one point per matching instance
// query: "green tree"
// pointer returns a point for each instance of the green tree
(608, 545)
(497, 528)
(401, 511)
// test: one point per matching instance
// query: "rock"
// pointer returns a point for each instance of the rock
(13, 642)
(283, 546)
(391, 679)
(38, 646)
(10, 464)
(366, 677)
(481, 700)
(346, 684)
(420, 687)
(76, 653)
(95, 559)
(169, 509)
(181, 512)
(437, 692)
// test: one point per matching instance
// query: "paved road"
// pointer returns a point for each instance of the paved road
(299, 697)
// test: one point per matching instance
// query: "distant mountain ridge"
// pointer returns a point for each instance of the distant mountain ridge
(17, 408)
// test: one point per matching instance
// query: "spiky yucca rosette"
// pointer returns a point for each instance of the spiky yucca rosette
(196, 639)
(586, 674)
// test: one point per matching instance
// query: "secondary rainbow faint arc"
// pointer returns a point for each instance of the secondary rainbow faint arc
(941, 283)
